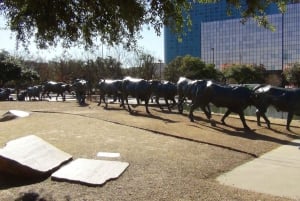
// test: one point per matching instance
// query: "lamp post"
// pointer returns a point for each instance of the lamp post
(282, 42)
(159, 68)
(282, 49)
(213, 55)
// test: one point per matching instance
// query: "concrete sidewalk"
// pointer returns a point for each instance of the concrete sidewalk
(276, 172)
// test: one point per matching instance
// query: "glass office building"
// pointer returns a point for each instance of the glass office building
(223, 40)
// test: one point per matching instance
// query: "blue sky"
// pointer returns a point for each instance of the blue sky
(151, 43)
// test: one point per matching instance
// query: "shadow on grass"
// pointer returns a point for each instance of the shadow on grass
(38, 196)
(253, 134)
(10, 181)
(152, 116)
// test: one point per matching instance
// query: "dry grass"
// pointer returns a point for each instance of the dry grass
(170, 158)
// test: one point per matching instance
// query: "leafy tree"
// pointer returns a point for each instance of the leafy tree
(242, 74)
(77, 69)
(61, 70)
(292, 74)
(132, 71)
(195, 68)
(113, 68)
(41, 68)
(28, 77)
(15, 73)
(142, 66)
(113, 21)
(10, 68)
(259, 73)
(191, 67)
(101, 68)
(148, 67)
(172, 70)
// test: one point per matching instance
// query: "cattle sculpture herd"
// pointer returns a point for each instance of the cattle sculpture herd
(200, 93)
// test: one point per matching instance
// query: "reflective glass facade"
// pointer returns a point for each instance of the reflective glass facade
(221, 39)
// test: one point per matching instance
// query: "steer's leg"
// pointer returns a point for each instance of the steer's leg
(242, 117)
(289, 120)
(106, 104)
(191, 114)
(121, 101)
(83, 98)
(174, 102)
(261, 112)
(206, 112)
(105, 101)
(225, 115)
(266, 120)
(146, 105)
(100, 99)
(167, 103)
(258, 114)
(157, 102)
(63, 96)
(126, 99)
(180, 105)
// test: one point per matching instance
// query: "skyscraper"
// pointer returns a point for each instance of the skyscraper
(218, 38)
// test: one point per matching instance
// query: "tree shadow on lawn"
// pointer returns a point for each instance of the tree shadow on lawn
(252, 134)
(151, 115)
(38, 196)
(9, 180)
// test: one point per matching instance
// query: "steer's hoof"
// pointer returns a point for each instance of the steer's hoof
(213, 123)
(247, 128)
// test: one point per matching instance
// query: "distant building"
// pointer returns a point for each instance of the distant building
(221, 39)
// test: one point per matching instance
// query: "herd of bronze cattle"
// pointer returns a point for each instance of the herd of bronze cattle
(200, 93)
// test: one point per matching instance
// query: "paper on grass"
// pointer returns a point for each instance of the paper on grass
(108, 154)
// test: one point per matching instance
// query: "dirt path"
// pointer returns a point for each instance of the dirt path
(170, 157)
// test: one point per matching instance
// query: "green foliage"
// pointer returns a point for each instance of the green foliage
(132, 71)
(148, 67)
(292, 74)
(91, 70)
(256, 9)
(14, 71)
(145, 67)
(30, 75)
(10, 68)
(192, 68)
(114, 21)
(172, 70)
(242, 73)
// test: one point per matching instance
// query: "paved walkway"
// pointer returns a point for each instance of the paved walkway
(276, 172)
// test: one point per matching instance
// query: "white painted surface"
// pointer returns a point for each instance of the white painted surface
(276, 172)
